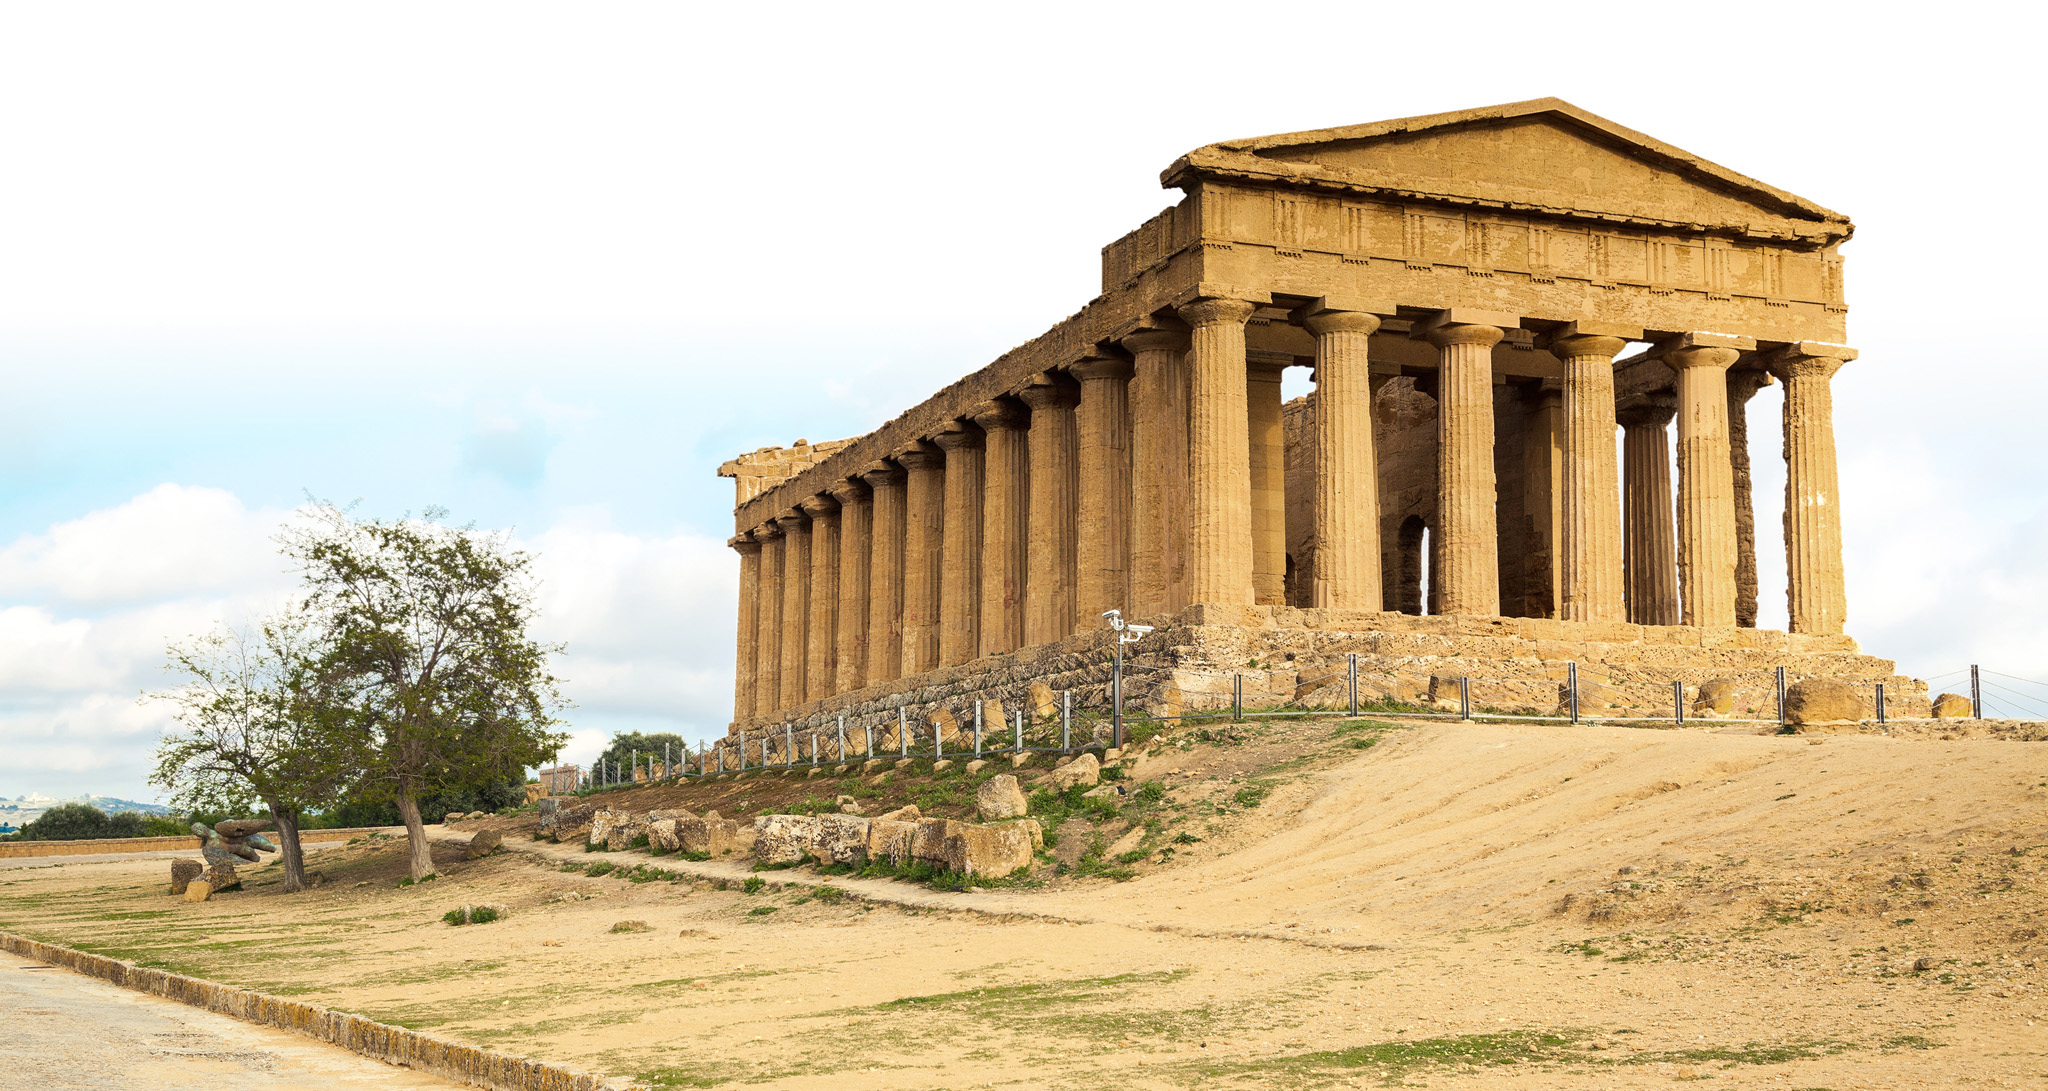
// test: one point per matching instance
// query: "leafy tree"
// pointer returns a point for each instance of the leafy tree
(425, 656)
(253, 724)
(79, 822)
(625, 743)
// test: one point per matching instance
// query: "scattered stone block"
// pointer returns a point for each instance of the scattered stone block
(198, 891)
(873, 764)
(483, 844)
(889, 839)
(475, 814)
(1715, 698)
(217, 878)
(840, 839)
(1082, 772)
(451, 818)
(975, 766)
(942, 765)
(661, 834)
(1821, 701)
(992, 851)
(1000, 797)
(183, 872)
(784, 838)
(928, 843)
(709, 835)
(1018, 761)
(1953, 706)
(1040, 701)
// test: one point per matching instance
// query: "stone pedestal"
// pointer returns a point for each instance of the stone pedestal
(886, 607)
(924, 527)
(821, 665)
(1006, 503)
(1102, 533)
(768, 626)
(1052, 553)
(960, 579)
(1465, 551)
(1347, 494)
(796, 606)
(744, 667)
(1219, 566)
(1590, 569)
(1706, 486)
(1267, 440)
(1815, 596)
(1159, 473)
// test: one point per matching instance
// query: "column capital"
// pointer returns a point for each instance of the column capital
(1464, 326)
(1091, 368)
(1647, 410)
(1216, 311)
(850, 490)
(1804, 359)
(1001, 414)
(1701, 356)
(1153, 340)
(744, 544)
(1573, 340)
(1670, 348)
(793, 521)
(1210, 292)
(1047, 391)
(879, 473)
(766, 531)
(959, 436)
(819, 506)
(923, 456)
(1320, 322)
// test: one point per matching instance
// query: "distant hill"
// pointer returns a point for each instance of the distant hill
(22, 810)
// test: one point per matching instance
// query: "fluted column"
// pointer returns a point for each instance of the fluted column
(1649, 552)
(1742, 386)
(1219, 454)
(796, 606)
(960, 581)
(1159, 472)
(1590, 577)
(821, 665)
(768, 629)
(1346, 569)
(856, 548)
(749, 628)
(1267, 440)
(1706, 486)
(1815, 595)
(1052, 547)
(1102, 545)
(886, 608)
(924, 532)
(1005, 504)
(1465, 547)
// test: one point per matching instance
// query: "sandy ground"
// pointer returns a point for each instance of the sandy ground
(1458, 906)
(68, 1032)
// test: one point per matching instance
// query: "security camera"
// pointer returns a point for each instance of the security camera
(1141, 630)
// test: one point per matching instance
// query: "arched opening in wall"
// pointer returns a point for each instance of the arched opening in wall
(1409, 576)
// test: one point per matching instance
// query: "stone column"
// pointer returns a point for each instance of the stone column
(1267, 440)
(960, 581)
(1102, 533)
(1814, 593)
(886, 608)
(1742, 386)
(1465, 546)
(1706, 486)
(924, 532)
(1347, 476)
(750, 625)
(796, 606)
(1159, 473)
(821, 665)
(1219, 454)
(856, 550)
(1005, 504)
(1053, 550)
(1649, 555)
(768, 628)
(1590, 586)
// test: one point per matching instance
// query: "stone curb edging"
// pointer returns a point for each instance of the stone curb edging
(378, 1041)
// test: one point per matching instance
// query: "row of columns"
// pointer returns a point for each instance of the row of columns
(1150, 483)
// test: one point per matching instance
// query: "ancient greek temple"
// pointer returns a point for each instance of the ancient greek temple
(1504, 310)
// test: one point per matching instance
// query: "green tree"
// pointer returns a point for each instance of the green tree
(253, 724)
(625, 744)
(79, 822)
(425, 656)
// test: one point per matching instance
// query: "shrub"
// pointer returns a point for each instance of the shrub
(602, 867)
(471, 914)
(1152, 791)
(753, 884)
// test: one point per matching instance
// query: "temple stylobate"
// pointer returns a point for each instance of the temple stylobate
(1504, 310)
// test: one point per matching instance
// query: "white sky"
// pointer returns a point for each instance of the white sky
(548, 264)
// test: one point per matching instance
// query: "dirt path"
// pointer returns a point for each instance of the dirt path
(68, 1032)
(1466, 906)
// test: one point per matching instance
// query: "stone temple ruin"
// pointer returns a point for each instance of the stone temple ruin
(1467, 288)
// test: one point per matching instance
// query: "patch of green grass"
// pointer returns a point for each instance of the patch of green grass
(1747, 1053)
(761, 911)
(753, 884)
(1396, 1059)
(1251, 795)
(407, 881)
(602, 867)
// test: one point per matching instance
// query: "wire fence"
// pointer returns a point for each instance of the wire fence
(1141, 699)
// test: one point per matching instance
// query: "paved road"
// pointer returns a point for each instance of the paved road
(63, 1031)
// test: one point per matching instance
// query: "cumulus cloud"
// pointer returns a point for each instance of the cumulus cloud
(173, 541)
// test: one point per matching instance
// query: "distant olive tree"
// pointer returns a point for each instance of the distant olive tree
(80, 822)
(253, 725)
(424, 658)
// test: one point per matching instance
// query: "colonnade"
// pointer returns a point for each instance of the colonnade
(1146, 476)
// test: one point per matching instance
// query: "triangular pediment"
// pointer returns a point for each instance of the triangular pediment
(1544, 155)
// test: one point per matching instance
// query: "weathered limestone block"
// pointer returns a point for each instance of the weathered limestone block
(1082, 772)
(661, 834)
(709, 835)
(1031, 827)
(183, 872)
(1953, 706)
(1716, 698)
(995, 723)
(603, 821)
(483, 844)
(217, 878)
(994, 851)
(198, 891)
(889, 840)
(928, 843)
(451, 817)
(841, 839)
(1821, 701)
(906, 813)
(784, 838)
(1000, 797)
(622, 835)
(1040, 702)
